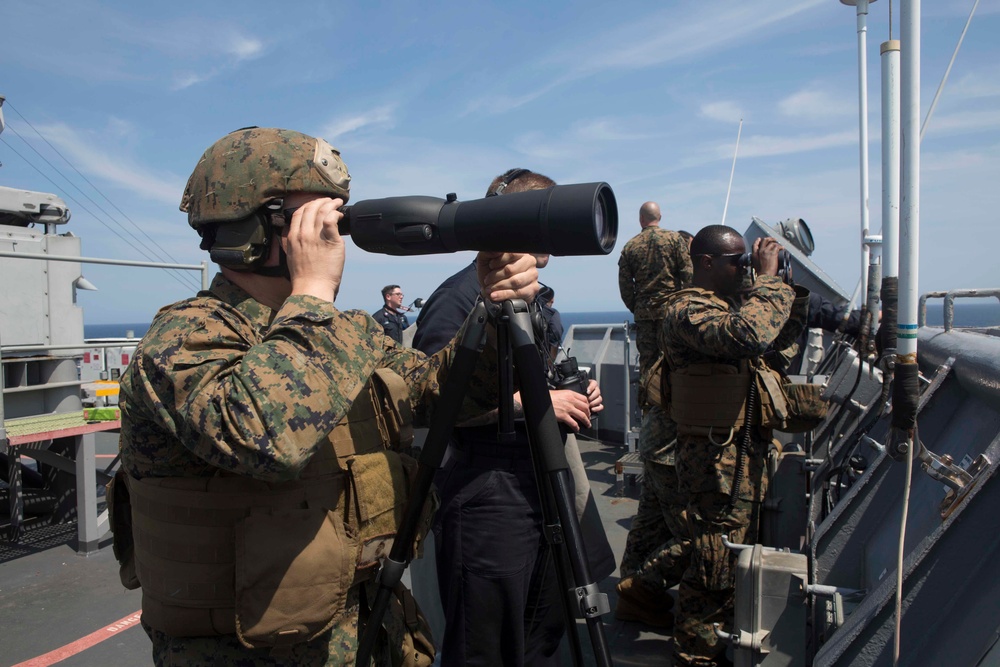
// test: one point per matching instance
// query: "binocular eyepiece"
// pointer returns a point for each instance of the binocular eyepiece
(579, 219)
(784, 265)
(568, 375)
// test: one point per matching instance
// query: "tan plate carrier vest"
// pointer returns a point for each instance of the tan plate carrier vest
(272, 562)
(710, 400)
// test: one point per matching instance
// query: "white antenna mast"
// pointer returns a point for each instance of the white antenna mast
(732, 171)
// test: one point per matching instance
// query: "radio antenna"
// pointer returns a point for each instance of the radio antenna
(732, 171)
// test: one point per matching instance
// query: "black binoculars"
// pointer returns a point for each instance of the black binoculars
(784, 265)
(568, 375)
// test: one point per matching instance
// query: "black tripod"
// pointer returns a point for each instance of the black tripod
(562, 529)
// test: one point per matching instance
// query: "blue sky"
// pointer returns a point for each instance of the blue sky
(432, 98)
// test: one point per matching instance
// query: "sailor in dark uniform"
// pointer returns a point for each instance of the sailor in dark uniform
(390, 315)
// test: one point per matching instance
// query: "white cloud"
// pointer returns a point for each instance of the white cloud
(766, 146)
(726, 112)
(381, 117)
(673, 35)
(962, 122)
(814, 104)
(668, 36)
(244, 48)
(184, 80)
(975, 85)
(119, 169)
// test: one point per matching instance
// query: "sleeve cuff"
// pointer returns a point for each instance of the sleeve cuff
(306, 307)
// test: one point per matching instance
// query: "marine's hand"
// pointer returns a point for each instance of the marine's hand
(571, 408)
(594, 396)
(505, 275)
(765, 256)
(315, 249)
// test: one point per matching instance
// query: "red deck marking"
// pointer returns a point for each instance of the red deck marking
(83, 643)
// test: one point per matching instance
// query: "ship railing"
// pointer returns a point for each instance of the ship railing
(949, 303)
(24, 436)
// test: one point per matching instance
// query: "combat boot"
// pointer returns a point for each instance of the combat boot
(637, 602)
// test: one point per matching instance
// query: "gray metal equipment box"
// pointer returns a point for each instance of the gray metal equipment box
(771, 607)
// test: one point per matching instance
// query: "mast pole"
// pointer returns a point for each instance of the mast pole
(862, 14)
(909, 228)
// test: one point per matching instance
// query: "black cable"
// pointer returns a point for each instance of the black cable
(743, 449)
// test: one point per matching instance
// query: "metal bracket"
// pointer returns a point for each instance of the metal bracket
(742, 639)
(591, 601)
(975, 471)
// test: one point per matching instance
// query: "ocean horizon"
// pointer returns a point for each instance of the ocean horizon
(967, 314)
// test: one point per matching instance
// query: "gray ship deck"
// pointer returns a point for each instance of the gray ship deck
(57, 607)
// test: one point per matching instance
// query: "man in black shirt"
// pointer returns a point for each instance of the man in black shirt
(390, 316)
(497, 582)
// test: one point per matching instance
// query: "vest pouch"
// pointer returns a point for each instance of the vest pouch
(293, 570)
(771, 395)
(397, 416)
(120, 519)
(806, 407)
(417, 646)
(655, 387)
(380, 484)
(709, 396)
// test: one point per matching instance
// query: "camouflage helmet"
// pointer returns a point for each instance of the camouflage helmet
(249, 167)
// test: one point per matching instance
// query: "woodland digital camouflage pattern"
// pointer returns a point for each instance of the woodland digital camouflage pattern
(654, 264)
(702, 328)
(246, 169)
(656, 550)
(223, 383)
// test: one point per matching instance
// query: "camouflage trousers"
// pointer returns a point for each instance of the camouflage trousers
(706, 592)
(657, 549)
(335, 647)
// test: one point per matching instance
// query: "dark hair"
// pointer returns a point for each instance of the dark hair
(518, 180)
(687, 236)
(712, 240)
(387, 289)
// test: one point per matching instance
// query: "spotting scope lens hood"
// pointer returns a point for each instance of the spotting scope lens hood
(579, 219)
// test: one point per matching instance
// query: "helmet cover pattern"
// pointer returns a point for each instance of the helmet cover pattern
(248, 168)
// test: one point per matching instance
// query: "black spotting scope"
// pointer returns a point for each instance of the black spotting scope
(579, 219)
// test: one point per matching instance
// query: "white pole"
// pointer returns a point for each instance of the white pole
(890, 159)
(909, 227)
(944, 80)
(862, 7)
(732, 171)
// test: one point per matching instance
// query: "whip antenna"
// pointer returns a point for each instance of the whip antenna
(732, 171)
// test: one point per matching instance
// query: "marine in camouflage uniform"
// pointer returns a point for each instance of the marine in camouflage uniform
(702, 326)
(227, 390)
(656, 549)
(653, 265)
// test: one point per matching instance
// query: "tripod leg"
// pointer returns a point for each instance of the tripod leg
(442, 423)
(550, 460)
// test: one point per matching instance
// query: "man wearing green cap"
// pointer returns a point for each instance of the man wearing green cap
(261, 476)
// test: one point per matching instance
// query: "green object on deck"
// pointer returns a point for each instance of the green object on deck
(101, 414)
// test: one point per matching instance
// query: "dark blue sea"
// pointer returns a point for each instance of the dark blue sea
(981, 313)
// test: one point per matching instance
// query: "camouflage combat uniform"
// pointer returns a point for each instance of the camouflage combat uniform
(222, 384)
(656, 549)
(654, 264)
(702, 328)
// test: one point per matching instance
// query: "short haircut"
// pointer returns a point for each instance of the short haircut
(712, 240)
(387, 289)
(521, 182)
(687, 236)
